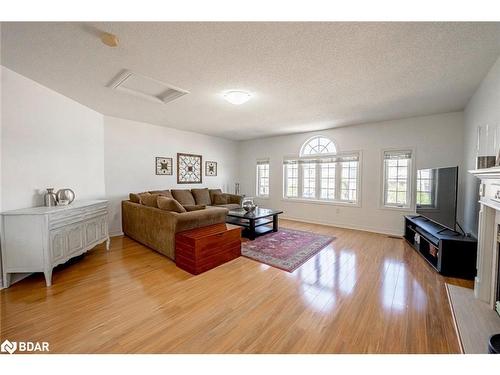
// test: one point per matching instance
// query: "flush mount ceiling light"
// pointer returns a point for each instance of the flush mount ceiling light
(237, 97)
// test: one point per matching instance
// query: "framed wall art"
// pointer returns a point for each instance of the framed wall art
(163, 166)
(189, 169)
(210, 168)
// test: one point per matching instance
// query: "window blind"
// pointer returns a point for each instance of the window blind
(319, 160)
(397, 155)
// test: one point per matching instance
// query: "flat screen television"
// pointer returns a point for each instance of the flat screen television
(437, 195)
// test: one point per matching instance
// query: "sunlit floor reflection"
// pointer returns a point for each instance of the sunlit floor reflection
(399, 288)
(325, 276)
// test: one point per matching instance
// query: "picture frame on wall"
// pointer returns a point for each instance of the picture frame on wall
(189, 169)
(210, 168)
(163, 166)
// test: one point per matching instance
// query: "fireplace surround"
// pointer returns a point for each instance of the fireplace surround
(487, 281)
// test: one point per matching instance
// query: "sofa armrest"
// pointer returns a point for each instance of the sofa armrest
(150, 226)
(201, 218)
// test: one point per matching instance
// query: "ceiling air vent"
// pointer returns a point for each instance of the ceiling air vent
(145, 87)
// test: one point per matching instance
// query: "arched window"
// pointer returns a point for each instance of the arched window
(318, 145)
(321, 173)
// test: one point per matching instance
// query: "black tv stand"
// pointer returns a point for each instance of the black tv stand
(448, 252)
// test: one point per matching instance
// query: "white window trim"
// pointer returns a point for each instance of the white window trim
(411, 181)
(262, 160)
(336, 202)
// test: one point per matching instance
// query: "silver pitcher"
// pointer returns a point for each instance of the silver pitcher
(50, 198)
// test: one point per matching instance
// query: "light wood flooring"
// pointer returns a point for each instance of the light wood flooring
(364, 293)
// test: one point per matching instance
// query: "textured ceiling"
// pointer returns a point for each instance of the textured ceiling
(305, 76)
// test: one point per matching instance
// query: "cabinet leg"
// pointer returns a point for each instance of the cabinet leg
(108, 243)
(48, 277)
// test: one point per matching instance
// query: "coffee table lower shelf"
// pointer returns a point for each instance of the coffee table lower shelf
(245, 222)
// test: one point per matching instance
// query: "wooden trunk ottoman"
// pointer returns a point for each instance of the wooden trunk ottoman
(201, 249)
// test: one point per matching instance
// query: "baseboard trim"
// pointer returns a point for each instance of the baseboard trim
(116, 234)
(344, 226)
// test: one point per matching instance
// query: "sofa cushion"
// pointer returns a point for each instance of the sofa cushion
(165, 193)
(212, 192)
(229, 206)
(150, 200)
(195, 207)
(169, 204)
(201, 196)
(219, 199)
(184, 197)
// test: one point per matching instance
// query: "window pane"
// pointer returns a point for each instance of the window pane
(291, 181)
(396, 174)
(263, 179)
(309, 180)
(327, 186)
(349, 183)
(425, 188)
(318, 145)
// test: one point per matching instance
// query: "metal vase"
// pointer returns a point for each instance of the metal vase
(50, 198)
(65, 196)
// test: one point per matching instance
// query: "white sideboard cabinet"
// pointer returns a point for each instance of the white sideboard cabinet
(38, 239)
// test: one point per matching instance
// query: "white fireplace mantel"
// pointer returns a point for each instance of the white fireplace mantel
(485, 283)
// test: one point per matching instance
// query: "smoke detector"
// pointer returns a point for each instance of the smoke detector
(145, 87)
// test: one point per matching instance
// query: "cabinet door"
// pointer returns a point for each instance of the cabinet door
(103, 229)
(75, 238)
(91, 232)
(58, 244)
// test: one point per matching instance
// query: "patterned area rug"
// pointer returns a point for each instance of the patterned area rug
(286, 249)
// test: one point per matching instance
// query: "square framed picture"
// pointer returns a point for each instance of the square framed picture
(163, 166)
(189, 169)
(210, 168)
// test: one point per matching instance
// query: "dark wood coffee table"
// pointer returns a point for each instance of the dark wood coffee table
(255, 223)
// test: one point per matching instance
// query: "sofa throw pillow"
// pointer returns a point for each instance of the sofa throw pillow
(213, 192)
(165, 193)
(183, 196)
(169, 204)
(134, 198)
(195, 207)
(150, 200)
(220, 199)
(201, 196)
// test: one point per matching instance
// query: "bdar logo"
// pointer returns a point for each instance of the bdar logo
(8, 347)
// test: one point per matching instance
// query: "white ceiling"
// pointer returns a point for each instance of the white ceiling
(305, 76)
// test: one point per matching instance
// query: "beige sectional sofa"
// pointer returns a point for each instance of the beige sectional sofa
(153, 218)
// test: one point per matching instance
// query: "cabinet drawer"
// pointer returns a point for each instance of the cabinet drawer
(77, 215)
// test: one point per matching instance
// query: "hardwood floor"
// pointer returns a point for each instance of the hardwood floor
(364, 293)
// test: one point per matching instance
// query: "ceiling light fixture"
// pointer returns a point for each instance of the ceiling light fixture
(237, 97)
(109, 39)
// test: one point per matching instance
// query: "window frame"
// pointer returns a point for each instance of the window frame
(307, 141)
(257, 177)
(338, 180)
(411, 180)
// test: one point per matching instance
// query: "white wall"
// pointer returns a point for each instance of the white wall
(48, 140)
(1, 89)
(483, 108)
(130, 149)
(437, 141)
